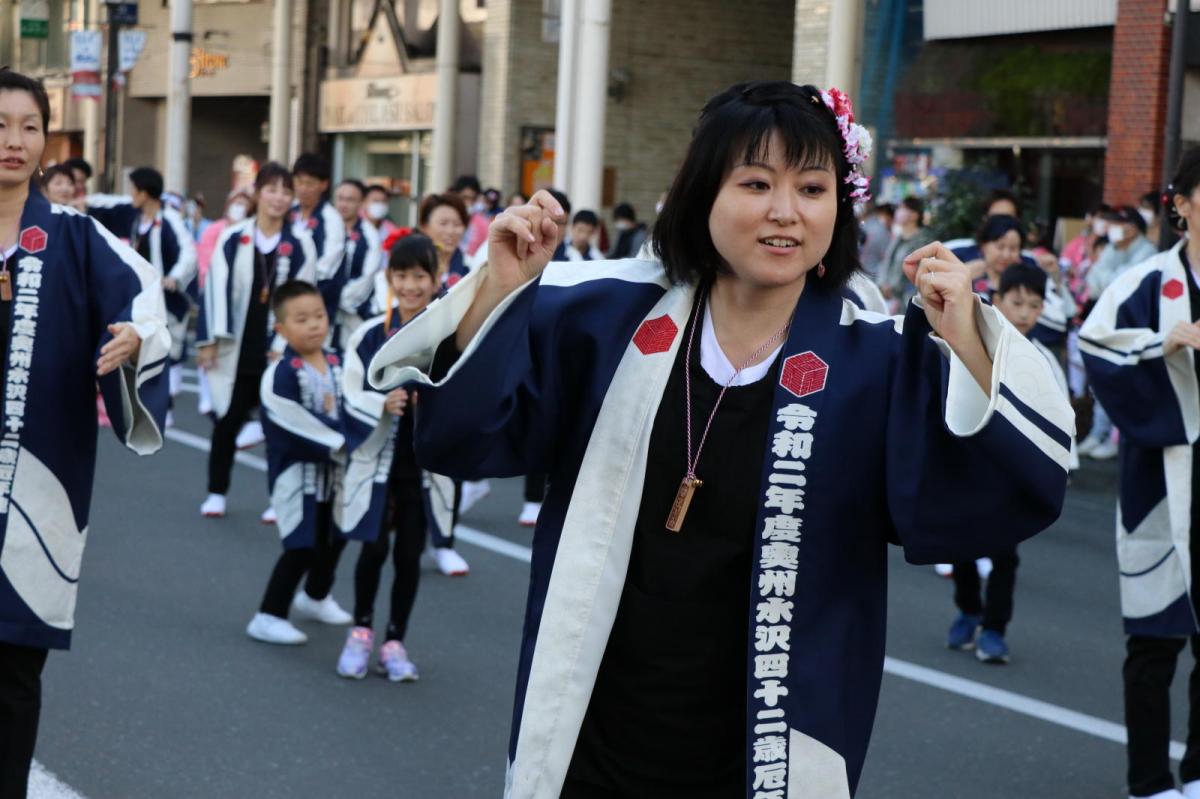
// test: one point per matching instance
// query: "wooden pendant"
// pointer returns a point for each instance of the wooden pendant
(5, 286)
(683, 500)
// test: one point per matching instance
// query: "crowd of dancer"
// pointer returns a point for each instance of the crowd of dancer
(318, 326)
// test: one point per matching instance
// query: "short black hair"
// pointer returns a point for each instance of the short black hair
(13, 81)
(358, 184)
(1185, 181)
(1022, 275)
(56, 170)
(735, 127)
(466, 182)
(996, 195)
(78, 164)
(377, 187)
(288, 291)
(624, 211)
(271, 172)
(414, 251)
(562, 199)
(884, 208)
(585, 217)
(436, 201)
(997, 226)
(1152, 199)
(149, 180)
(917, 206)
(311, 164)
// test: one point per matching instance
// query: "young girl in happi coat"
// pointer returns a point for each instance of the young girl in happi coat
(388, 500)
(77, 307)
(235, 334)
(1141, 347)
(301, 400)
(730, 443)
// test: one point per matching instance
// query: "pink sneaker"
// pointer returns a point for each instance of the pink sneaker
(356, 654)
(394, 663)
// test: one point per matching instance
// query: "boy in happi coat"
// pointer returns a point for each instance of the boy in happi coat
(730, 443)
(158, 234)
(348, 294)
(1141, 347)
(315, 215)
(387, 495)
(301, 397)
(1019, 297)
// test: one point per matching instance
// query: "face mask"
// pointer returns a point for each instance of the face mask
(658, 206)
(377, 210)
(1116, 234)
(1099, 227)
(236, 212)
(479, 207)
(897, 229)
(1147, 215)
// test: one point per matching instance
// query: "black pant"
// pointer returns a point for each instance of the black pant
(406, 516)
(997, 607)
(20, 706)
(1149, 669)
(244, 400)
(535, 487)
(319, 563)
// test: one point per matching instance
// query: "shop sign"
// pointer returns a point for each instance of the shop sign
(404, 102)
(205, 63)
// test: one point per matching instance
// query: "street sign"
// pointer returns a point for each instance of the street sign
(122, 13)
(35, 19)
(85, 63)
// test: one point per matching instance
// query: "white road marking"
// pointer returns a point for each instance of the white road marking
(44, 785)
(981, 692)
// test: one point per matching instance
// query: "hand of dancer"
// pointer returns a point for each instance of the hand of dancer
(123, 347)
(396, 402)
(170, 284)
(521, 241)
(944, 284)
(1184, 334)
(206, 356)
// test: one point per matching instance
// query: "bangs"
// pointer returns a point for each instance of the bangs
(809, 142)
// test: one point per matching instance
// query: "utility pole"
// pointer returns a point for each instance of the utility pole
(281, 82)
(447, 96)
(1179, 38)
(110, 96)
(564, 107)
(179, 97)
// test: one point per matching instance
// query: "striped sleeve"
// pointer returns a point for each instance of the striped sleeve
(183, 271)
(294, 431)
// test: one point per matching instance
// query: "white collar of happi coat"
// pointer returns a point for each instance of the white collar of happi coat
(718, 365)
(266, 244)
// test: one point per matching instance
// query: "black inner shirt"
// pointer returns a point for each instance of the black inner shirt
(667, 716)
(256, 338)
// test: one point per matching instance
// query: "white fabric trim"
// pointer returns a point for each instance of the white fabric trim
(294, 417)
(815, 771)
(632, 270)
(266, 244)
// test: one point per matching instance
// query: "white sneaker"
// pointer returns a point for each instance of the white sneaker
(1087, 445)
(1171, 794)
(251, 435)
(269, 516)
(472, 492)
(1106, 450)
(213, 506)
(450, 563)
(274, 630)
(326, 611)
(943, 569)
(1191, 790)
(529, 514)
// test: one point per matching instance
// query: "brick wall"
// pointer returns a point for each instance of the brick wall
(1137, 102)
(677, 54)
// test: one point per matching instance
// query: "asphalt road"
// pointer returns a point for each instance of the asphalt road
(163, 695)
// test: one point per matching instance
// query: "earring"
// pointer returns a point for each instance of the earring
(821, 269)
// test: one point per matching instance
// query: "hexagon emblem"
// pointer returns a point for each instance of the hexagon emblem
(655, 335)
(33, 239)
(804, 374)
(1173, 289)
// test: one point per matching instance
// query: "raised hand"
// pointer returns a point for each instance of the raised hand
(1184, 334)
(522, 240)
(123, 347)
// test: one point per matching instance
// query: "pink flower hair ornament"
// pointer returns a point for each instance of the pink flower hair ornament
(856, 142)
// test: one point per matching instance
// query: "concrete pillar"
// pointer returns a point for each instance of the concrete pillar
(281, 82)
(565, 100)
(447, 95)
(841, 57)
(591, 98)
(179, 97)
(92, 133)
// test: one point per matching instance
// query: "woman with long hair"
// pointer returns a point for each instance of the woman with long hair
(730, 441)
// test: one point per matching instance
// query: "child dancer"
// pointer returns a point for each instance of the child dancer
(300, 396)
(1019, 297)
(386, 492)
